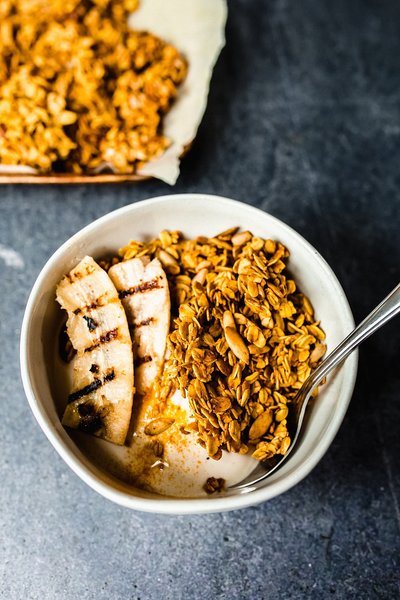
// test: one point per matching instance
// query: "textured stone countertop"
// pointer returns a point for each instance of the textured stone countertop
(303, 121)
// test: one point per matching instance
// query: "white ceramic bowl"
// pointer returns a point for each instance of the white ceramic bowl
(194, 214)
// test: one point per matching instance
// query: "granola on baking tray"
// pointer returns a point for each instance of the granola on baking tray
(80, 91)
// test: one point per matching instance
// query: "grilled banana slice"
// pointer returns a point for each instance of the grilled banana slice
(143, 289)
(102, 388)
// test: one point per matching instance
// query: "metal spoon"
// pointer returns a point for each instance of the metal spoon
(385, 311)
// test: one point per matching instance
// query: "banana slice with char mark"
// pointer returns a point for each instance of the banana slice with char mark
(102, 382)
(143, 289)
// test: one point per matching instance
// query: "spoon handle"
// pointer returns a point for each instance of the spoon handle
(386, 310)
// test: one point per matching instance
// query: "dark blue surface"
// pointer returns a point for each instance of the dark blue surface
(304, 122)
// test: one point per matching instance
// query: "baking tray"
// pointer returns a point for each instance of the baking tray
(66, 178)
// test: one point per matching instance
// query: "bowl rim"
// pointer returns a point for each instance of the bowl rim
(182, 505)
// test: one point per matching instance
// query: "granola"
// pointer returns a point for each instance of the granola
(79, 90)
(244, 339)
(214, 484)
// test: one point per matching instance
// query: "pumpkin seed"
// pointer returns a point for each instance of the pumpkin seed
(157, 426)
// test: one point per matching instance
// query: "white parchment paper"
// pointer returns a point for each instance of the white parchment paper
(197, 29)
